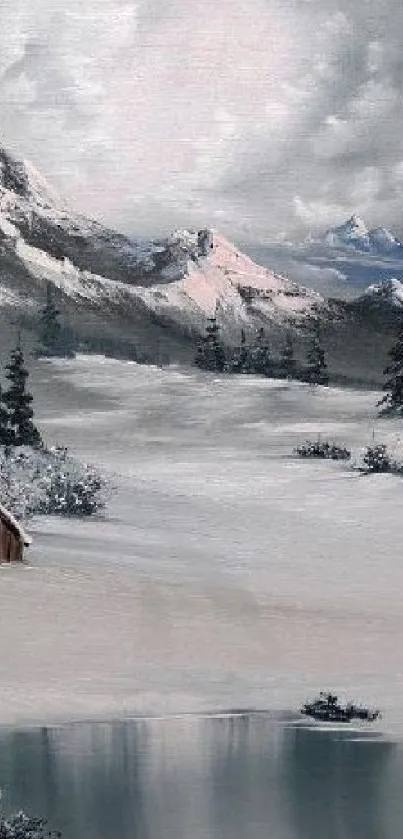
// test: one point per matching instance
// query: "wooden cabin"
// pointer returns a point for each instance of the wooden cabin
(13, 538)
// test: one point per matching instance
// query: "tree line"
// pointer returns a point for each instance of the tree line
(57, 338)
(256, 357)
(253, 356)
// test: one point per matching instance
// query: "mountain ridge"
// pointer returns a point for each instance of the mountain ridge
(179, 280)
(354, 234)
(388, 291)
(152, 298)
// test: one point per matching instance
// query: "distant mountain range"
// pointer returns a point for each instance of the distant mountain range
(354, 235)
(342, 261)
(151, 299)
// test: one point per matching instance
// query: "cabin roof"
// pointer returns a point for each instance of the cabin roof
(14, 525)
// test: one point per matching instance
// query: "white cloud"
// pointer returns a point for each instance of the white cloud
(166, 112)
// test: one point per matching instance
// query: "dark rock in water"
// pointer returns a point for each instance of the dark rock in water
(327, 709)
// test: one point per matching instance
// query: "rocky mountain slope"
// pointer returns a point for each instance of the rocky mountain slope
(146, 292)
(151, 299)
(386, 293)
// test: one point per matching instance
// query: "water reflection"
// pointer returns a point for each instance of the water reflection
(335, 783)
(192, 778)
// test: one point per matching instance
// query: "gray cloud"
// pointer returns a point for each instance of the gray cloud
(264, 118)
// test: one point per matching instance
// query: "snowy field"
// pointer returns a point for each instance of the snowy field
(226, 573)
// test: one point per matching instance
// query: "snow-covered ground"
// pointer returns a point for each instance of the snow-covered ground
(226, 573)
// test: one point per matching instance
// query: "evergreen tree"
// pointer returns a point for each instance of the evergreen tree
(317, 367)
(21, 429)
(55, 339)
(210, 351)
(4, 432)
(240, 361)
(260, 360)
(50, 329)
(288, 364)
(393, 399)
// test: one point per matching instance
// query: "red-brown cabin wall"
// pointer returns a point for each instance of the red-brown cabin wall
(11, 548)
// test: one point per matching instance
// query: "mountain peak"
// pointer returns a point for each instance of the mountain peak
(354, 235)
(20, 181)
(389, 291)
(354, 226)
(13, 175)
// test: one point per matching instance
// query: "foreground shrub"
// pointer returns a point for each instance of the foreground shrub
(376, 458)
(49, 482)
(20, 826)
(322, 450)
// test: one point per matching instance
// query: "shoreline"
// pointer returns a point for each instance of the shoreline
(102, 644)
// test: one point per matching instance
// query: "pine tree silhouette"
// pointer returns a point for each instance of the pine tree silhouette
(240, 361)
(288, 364)
(21, 429)
(317, 367)
(55, 339)
(50, 329)
(393, 399)
(4, 431)
(260, 360)
(210, 351)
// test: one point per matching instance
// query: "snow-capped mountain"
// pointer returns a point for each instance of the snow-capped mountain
(147, 290)
(387, 291)
(352, 233)
(355, 235)
(151, 299)
(227, 280)
(40, 217)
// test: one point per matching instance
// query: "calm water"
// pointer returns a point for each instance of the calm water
(243, 777)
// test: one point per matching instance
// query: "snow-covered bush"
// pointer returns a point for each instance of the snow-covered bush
(377, 459)
(322, 450)
(49, 482)
(20, 826)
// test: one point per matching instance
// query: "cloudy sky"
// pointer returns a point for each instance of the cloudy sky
(264, 118)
